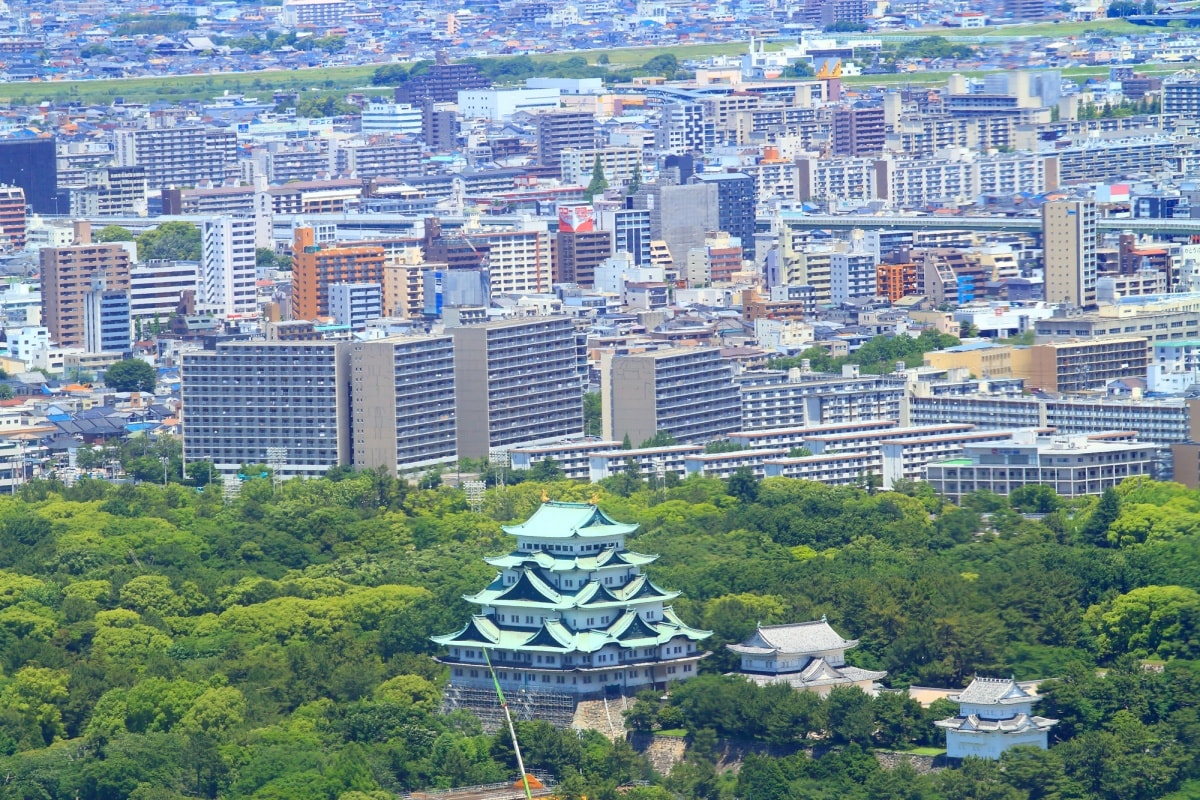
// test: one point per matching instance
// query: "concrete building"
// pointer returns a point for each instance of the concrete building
(258, 402)
(353, 304)
(684, 129)
(228, 268)
(793, 400)
(1080, 366)
(578, 253)
(315, 268)
(111, 192)
(1069, 238)
(1073, 466)
(687, 392)
(630, 228)
(106, 321)
(680, 215)
(619, 164)
(157, 287)
(572, 457)
(517, 382)
(402, 402)
(12, 218)
(563, 130)
(851, 275)
(496, 105)
(736, 205)
(320, 15)
(67, 273)
(391, 118)
(858, 131)
(176, 157)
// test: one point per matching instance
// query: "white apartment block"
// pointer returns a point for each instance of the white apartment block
(227, 280)
(156, 288)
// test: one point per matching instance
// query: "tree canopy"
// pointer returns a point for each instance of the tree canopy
(131, 375)
(174, 241)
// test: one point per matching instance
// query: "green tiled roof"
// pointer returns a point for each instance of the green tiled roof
(568, 520)
(554, 562)
(530, 590)
(629, 631)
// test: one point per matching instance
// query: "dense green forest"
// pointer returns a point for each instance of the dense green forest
(163, 642)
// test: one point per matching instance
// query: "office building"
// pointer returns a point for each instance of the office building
(687, 392)
(178, 157)
(1069, 240)
(67, 273)
(267, 402)
(353, 304)
(402, 402)
(736, 201)
(12, 218)
(228, 273)
(562, 130)
(1073, 466)
(157, 288)
(439, 126)
(500, 103)
(106, 321)
(32, 164)
(630, 229)
(391, 118)
(315, 267)
(517, 382)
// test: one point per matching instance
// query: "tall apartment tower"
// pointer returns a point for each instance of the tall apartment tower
(402, 402)
(111, 192)
(517, 381)
(684, 128)
(687, 392)
(859, 131)
(12, 217)
(560, 130)
(32, 164)
(68, 273)
(315, 267)
(228, 266)
(736, 202)
(249, 402)
(630, 230)
(1069, 243)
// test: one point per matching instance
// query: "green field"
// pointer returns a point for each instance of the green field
(200, 87)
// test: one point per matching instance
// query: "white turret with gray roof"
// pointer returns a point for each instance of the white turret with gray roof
(994, 715)
(805, 655)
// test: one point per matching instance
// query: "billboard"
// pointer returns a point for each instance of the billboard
(576, 219)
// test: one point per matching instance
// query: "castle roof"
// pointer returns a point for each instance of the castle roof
(553, 562)
(994, 691)
(1019, 723)
(530, 589)
(629, 630)
(800, 637)
(556, 520)
(817, 673)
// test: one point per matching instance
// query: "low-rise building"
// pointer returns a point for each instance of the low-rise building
(809, 656)
(994, 715)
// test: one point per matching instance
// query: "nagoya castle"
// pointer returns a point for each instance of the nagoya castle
(569, 617)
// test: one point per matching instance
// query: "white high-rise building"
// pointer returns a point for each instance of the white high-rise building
(227, 268)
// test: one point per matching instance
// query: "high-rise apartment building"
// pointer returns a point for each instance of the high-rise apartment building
(736, 200)
(318, 14)
(859, 131)
(578, 246)
(562, 130)
(353, 304)
(264, 402)
(111, 192)
(441, 83)
(851, 274)
(517, 382)
(402, 402)
(315, 267)
(1069, 244)
(12, 217)
(68, 273)
(228, 266)
(684, 128)
(895, 281)
(177, 157)
(687, 392)
(681, 216)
